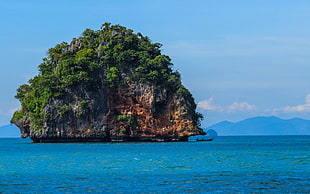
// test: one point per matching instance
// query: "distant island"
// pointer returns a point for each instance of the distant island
(107, 85)
(263, 126)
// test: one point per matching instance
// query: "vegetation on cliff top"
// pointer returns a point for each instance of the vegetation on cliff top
(113, 54)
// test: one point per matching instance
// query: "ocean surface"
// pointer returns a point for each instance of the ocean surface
(254, 164)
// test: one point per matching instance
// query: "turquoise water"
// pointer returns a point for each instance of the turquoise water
(263, 164)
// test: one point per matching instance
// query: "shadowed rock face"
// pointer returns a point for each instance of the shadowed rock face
(129, 110)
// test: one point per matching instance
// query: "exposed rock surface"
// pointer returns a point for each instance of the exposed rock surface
(126, 110)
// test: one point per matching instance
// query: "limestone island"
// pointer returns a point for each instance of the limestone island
(108, 85)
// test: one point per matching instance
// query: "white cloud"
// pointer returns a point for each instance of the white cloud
(234, 107)
(208, 105)
(241, 106)
(298, 108)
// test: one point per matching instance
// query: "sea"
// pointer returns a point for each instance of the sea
(236, 164)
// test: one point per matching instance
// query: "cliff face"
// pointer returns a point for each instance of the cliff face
(135, 99)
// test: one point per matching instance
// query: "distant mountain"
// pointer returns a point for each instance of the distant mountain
(9, 131)
(263, 126)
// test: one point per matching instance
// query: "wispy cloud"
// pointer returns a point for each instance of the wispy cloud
(241, 106)
(208, 104)
(294, 109)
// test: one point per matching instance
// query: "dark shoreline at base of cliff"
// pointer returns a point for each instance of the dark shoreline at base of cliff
(116, 139)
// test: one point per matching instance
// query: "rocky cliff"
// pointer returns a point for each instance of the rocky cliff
(107, 85)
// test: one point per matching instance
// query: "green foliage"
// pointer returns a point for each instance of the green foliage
(83, 104)
(125, 119)
(63, 109)
(111, 76)
(22, 91)
(111, 56)
(17, 116)
(123, 130)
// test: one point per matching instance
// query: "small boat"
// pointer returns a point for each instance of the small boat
(205, 139)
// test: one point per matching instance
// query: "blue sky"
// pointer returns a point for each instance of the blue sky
(238, 58)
